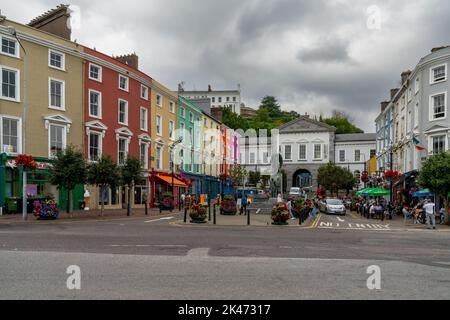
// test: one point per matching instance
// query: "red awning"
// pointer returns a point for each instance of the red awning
(168, 180)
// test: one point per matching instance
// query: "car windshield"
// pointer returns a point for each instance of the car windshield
(295, 189)
(334, 202)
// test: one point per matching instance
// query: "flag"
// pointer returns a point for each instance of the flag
(418, 145)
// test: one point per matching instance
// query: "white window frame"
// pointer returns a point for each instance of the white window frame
(100, 144)
(127, 142)
(432, 81)
(17, 48)
(359, 158)
(430, 141)
(160, 165)
(63, 95)
(306, 152)
(172, 136)
(160, 131)
(145, 127)
(431, 107)
(144, 89)
(314, 151)
(171, 107)
(99, 104)
(17, 71)
(410, 94)
(127, 83)
(63, 60)
(100, 72)
(342, 151)
(160, 98)
(126, 112)
(146, 144)
(285, 146)
(19, 134)
(64, 142)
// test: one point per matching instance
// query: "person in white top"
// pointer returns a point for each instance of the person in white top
(429, 213)
(279, 198)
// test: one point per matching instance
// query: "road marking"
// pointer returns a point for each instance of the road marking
(149, 245)
(340, 220)
(198, 253)
(353, 226)
(166, 218)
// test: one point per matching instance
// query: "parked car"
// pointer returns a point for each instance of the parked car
(332, 206)
(294, 191)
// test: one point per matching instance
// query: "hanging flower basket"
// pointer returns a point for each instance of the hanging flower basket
(392, 175)
(280, 214)
(228, 206)
(198, 213)
(45, 209)
(27, 162)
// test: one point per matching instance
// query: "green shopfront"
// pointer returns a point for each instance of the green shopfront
(38, 186)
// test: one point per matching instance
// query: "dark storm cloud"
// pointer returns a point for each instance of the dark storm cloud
(314, 56)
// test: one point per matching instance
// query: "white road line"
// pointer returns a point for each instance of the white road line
(198, 253)
(150, 245)
(340, 220)
(165, 218)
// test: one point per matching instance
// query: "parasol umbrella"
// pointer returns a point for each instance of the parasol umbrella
(423, 193)
(378, 192)
(363, 192)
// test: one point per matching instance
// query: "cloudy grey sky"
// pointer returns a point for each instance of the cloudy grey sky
(314, 56)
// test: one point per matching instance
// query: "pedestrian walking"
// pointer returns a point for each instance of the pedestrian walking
(315, 210)
(289, 206)
(183, 199)
(244, 203)
(429, 212)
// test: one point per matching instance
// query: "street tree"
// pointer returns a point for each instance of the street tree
(333, 178)
(130, 173)
(254, 177)
(239, 173)
(435, 175)
(104, 174)
(68, 169)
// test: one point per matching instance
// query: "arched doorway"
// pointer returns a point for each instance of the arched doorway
(302, 178)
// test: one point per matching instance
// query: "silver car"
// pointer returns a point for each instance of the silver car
(333, 206)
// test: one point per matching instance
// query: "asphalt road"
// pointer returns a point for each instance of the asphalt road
(157, 259)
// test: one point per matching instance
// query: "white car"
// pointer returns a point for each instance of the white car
(294, 191)
(333, 206)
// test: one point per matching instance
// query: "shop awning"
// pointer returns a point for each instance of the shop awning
(423, 193)
(168, 180)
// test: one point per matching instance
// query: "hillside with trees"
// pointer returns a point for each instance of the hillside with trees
(269, 116)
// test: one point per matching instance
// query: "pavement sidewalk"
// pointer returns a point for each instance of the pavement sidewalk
(90, 215)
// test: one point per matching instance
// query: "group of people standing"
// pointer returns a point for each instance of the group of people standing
(423, 212)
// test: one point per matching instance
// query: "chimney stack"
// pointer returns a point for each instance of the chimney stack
(209, 88)
(394, 92)
(129, 59)
(384, 105)
(405, 75)
(55, 21)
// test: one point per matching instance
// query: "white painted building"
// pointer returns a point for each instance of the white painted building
(219, 98)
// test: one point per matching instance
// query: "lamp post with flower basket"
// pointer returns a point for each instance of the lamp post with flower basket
(27, 164)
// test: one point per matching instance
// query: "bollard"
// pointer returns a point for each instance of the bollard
(214, 214)
(146, 208)
(299, 218)
(185, 214)
(248, 217)
(209, 209)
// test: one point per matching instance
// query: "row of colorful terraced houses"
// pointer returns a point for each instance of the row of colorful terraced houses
(56, 92)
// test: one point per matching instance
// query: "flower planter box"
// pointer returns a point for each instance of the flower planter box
(280, 214)
(198, 214)
(228, 207)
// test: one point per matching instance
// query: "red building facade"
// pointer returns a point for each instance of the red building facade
(117, 119)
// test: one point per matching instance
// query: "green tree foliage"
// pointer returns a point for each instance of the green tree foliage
(239, 173)
(254, 177)
(342, 122)
(104, 174)
(334, 178)
(67, 170)
(130, 173)
(435, 175)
